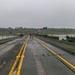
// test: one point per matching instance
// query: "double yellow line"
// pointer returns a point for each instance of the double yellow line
(58, 56)
(19, 60)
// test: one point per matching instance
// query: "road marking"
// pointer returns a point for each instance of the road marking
(22, 58)
(58, 56)
(17, 58)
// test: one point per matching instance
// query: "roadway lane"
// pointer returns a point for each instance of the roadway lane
(69, 57)
(39, 61)
(11, 57)
(8, 45)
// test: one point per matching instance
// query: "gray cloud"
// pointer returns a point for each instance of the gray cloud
(37, 13)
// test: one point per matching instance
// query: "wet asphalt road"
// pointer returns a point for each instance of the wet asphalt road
(6, 68)
(39, 61)
(69, 57)
(6, 49)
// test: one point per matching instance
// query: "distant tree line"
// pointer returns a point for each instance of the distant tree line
(59, 31)
(13, 31)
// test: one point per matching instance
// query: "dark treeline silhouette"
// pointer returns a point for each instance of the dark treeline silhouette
(12, 31)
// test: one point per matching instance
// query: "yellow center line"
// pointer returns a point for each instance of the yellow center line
(22, 58)
(64, 60)
(17, 59)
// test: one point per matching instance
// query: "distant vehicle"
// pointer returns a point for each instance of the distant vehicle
(20, 34)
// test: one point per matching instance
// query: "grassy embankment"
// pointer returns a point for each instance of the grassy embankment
(2, 41)
(64, 45)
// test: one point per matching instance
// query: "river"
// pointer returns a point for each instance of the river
(4, 37)
(63, 36)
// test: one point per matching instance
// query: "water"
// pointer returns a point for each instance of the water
(63, 36)
(4, 37)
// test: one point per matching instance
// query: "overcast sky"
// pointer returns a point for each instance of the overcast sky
(37, 13)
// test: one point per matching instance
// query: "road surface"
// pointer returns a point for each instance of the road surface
(39, 60)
